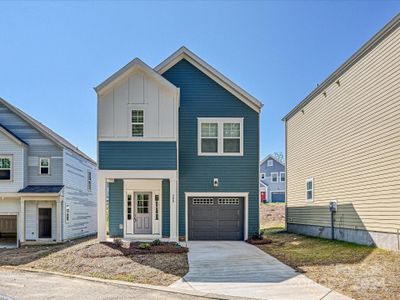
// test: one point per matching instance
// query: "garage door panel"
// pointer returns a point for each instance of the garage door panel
(216, 218)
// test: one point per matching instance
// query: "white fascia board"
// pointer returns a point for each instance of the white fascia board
(184, 53)
(131, 67)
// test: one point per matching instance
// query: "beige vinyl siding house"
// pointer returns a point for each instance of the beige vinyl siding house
(345, 138)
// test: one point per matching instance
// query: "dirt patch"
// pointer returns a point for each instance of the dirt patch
(360, 272)
(259, 241)
(272, 215)
(104, 262)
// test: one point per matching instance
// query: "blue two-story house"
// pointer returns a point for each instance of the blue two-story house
(47, 185)
(178, 153)
(272, 180)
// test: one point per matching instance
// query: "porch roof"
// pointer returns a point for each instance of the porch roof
(42, 189)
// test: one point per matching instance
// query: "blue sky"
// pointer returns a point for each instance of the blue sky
(52, 54)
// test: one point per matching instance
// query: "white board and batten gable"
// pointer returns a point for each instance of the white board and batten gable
(137, 87)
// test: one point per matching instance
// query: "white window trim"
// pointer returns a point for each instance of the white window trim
(10, 156)
(270, 163)
(132, 123)
(277, 176)
(220, 136)
(312, 190)
(40, 166)
(280, 176)
(262, 175)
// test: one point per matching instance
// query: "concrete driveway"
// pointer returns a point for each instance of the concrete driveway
(242, 270)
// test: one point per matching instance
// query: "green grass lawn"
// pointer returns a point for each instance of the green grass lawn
(360, 272)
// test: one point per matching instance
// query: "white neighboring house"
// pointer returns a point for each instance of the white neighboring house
(47, 185)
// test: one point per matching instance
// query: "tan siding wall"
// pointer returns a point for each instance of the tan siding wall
(349, 142)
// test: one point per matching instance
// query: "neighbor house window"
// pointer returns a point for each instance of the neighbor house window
(67, 214)
(310, 189)
(262, 175)
(220, 136)
(157, 202)
(89, 181)
(274, 177)
(270, 162)
(283, 176)
(44, 166)
(5, 167)
(137, 122)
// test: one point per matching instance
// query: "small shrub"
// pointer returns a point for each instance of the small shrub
(257, 236)
(177, 246)
(156, 242)
(144, 246)
(118, 242)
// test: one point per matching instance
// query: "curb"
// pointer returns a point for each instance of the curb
(124, 283)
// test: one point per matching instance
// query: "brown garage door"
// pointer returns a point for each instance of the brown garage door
(216, 218)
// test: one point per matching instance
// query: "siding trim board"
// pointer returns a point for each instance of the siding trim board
(363, 51)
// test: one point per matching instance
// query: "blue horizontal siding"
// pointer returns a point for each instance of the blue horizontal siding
(203, 97)
(165, 208)
(137, 155)
(116, 208)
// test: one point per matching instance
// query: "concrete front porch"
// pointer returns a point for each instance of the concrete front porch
(241, 270)
(137, 205)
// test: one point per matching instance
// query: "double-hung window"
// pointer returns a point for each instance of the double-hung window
(310, 189)
(5, 168)
(220, 136)
(274, 177)
(282, 176)
(137, 122)
(44, 166)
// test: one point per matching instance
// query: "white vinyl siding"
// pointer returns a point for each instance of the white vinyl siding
(350, 142)
(10, 150)
(81, 202)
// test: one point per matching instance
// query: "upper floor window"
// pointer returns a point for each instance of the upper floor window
(262, 176)
(44, 166)
(310, 189)
(137, 122)
(67, 213)
(220, 136)
(274, 177)
(283, 176)
(270, 162)
(89, 181)
(5, 167)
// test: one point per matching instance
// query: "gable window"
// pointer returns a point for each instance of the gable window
(89, 181)
(137, 122)
(5, 167)
(310, 189)
(44, 166)
(262, 175)
(282, 176)
(274, 177)
(270, 162)
(220, 136)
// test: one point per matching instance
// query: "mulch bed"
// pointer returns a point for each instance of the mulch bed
(133, 249)
(259, 241)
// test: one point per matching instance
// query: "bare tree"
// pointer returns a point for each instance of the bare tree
(279, 156)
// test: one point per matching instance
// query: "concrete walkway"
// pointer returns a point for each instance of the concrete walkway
(242, 270)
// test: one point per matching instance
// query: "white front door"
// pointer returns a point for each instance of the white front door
(143, 215)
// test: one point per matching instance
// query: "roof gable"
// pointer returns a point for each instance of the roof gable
(270, 156)
(184, 53)
(50, 134)
(135, 65)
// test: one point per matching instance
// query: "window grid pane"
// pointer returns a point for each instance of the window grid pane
(209, 130)
(231, 130)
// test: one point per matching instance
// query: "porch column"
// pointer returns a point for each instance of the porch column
(58, 220)
(101, 207)
(174, 221)
(21, 218)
